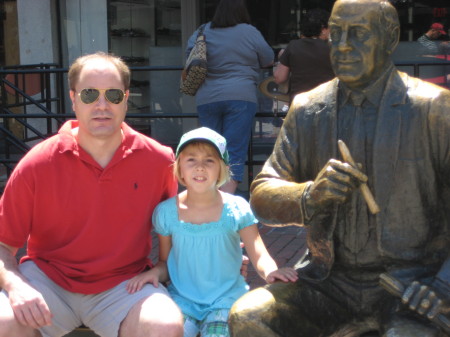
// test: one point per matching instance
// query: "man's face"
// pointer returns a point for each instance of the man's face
(358, 46)
(435, 34)
(101, 119)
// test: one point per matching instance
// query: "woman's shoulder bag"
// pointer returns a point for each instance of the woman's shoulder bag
(194, 72)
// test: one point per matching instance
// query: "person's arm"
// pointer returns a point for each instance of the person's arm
(431, 301)
(263, 50)
(29, 306)
(158, 273)
(165, 245)
(261, 259)
(281, 73)
(278, 194)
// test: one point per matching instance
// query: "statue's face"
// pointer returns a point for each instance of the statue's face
(358, 42)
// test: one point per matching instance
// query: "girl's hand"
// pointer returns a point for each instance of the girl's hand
(137, 282)
(285, 274)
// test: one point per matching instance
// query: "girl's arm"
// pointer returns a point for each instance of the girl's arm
(261, 259)
(165, 245)
(158, 273)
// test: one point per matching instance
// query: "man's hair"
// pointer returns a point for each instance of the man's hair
(229, 13)
(224, 174)
(79, 63)
(315, 20)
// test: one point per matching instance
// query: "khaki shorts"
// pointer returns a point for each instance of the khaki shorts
(101, 312)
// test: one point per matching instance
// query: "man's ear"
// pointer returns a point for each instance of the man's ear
(72, 98)
(392, 40)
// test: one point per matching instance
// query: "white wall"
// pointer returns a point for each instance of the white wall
(86, 27)
(35, 31)
(36, 43)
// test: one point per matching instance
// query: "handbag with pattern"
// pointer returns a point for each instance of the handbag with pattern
(194, 72)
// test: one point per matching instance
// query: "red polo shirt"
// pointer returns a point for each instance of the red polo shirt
(88, 227)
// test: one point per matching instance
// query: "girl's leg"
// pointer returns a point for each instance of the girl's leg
(216, 324)
(191, 326)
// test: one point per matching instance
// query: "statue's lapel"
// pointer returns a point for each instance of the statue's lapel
(326, 126)
(387, 138)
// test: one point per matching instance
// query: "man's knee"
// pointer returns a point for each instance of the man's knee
(156, 315)
(9, 327)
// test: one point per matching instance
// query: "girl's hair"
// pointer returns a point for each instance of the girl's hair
(224, 174)
(229, 13)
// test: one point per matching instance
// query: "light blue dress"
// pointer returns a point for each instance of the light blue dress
(205, 260)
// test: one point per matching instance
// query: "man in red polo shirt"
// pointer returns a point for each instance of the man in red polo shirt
(83, 200)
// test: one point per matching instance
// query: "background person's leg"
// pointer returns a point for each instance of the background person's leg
(237, 129)
(211, 116)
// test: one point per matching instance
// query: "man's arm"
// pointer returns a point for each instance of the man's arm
(281, 73)
(29, 307)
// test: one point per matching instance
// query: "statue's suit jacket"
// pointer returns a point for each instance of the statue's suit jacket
(411, 167)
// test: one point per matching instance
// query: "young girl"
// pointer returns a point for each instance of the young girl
(199, 236)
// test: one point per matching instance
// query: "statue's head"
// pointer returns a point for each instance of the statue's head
(363, 35)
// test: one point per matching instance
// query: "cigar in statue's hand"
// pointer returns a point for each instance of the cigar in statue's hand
(368, 197)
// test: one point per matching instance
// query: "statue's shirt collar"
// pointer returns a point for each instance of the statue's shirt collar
(372, 93)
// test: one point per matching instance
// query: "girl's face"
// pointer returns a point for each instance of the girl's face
(199, 167)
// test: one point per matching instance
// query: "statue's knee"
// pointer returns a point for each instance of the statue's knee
(251, 303)
(409, 326)
(248, 315)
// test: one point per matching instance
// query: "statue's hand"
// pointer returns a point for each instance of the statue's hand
(424, 300)
(334, 183)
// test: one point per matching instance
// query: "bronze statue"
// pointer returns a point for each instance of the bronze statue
(398, 130)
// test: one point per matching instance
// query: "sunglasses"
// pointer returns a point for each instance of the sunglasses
(91, 95)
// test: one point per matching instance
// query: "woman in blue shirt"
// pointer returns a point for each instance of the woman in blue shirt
(226, 102)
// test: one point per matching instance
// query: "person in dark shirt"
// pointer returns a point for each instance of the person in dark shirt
(306, 62)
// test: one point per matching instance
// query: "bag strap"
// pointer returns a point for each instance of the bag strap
(200, 31)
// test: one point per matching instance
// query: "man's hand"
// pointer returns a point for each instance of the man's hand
(334, 183)
(29, 305)
(425, 300)
(245, 262)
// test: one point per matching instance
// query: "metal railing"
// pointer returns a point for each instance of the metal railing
(35, 94)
